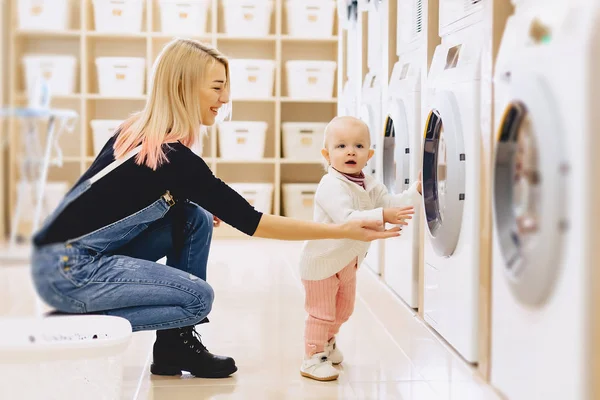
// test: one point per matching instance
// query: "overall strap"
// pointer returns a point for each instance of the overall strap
(115, 164)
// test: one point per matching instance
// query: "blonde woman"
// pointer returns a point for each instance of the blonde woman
(147, 196)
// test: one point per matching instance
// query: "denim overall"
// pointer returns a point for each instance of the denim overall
(113, 270)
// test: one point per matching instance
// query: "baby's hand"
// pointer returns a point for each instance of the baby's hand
(398, 216)
(419, 184)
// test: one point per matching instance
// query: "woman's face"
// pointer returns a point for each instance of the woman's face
(213, 93)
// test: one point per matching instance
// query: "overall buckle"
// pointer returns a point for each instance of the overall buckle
(168, 198)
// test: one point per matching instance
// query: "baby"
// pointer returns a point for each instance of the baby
(328, 267)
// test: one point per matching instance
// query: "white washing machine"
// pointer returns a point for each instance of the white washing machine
(371, 110)
(458, 14)
(402, 146)
(451, 194)
(401, 166)
(544, 198)
(349, 103)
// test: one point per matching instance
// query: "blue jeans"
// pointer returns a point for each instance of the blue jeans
(113, 271)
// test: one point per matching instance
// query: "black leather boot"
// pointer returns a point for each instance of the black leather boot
(180, 349)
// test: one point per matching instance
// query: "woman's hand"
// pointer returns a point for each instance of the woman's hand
(367, 231)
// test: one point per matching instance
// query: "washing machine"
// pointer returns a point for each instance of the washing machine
(458, 14)
(401, 166)
(451, 190)
(371, 108)
(402, 145)
(545, 197)
(371, 112)
(350, 98)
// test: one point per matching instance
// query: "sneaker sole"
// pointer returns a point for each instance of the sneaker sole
(326, 379)
(167, 370)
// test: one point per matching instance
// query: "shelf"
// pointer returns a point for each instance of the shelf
(74, 96)
(254, 100)
(261, 161)
(71, 159)
(293, 100)
(286, 161)
(226, 37)
(329, 39)
(96, 96)
(87, 44)
(116, 35)
(160, 35)
(48, 34)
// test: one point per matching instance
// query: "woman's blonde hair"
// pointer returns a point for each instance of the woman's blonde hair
(173, 110)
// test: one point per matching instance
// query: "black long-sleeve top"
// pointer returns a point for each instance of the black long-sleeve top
(131, 187)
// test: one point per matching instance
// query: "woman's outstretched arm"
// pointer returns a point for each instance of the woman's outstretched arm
(283, 228)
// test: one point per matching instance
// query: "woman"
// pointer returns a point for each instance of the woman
(145, 197)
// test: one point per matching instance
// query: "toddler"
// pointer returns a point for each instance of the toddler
(328, 267)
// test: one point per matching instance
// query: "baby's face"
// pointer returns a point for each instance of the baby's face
(347, 148)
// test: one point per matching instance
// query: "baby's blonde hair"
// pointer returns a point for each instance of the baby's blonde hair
(343, 122)
(173, 110)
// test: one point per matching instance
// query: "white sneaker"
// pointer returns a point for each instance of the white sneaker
(318, 367)
(333, 353)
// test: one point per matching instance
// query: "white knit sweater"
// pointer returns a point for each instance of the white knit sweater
(337, 200)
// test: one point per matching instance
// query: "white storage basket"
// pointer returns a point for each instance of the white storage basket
(102, 131)
(187, 17)
(118, 15)
(298, 200)
(310, 18)
(121, 76)
(58, 71)
(303, 140)
(310, 79)
(259, 195)
(248, 17)
(48, 15)
(252, 78)
(242, 140)
(66, 357)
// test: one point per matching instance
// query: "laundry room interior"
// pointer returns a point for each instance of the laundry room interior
(476, 272)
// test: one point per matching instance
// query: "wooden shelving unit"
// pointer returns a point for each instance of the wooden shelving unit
(82, 41)
(3, 133)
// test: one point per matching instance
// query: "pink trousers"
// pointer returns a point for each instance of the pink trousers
(329, 303)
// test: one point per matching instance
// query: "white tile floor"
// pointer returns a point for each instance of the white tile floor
(258, 319)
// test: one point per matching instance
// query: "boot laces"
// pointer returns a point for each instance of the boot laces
(192, 336)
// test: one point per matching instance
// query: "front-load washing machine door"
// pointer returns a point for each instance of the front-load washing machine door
(444, 173)
(530, 186)
(396, 150)
(370, 115)
(347, 12)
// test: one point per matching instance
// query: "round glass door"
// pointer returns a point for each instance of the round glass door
(444, 174)
(396, 151)
(389, 162)
(529, 191)
(368, 116)
(434, 177)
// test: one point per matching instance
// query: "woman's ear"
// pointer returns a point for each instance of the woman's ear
(325, 154)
